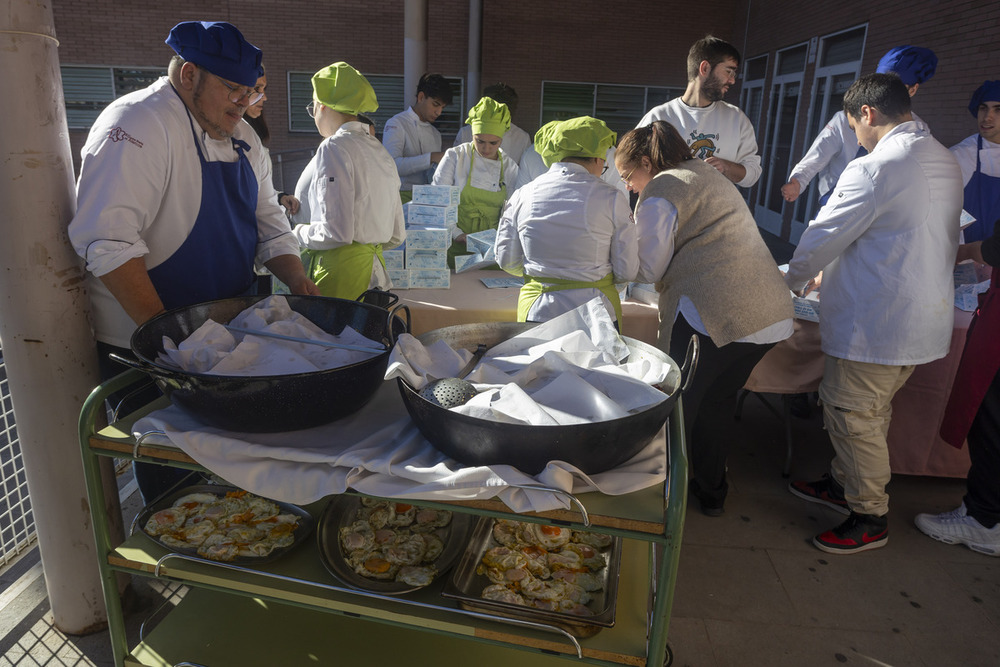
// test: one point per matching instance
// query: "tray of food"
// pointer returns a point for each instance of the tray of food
(389, 547)
(224, 523)
(548, 574)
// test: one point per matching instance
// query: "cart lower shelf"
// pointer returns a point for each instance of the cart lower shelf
(221, 629)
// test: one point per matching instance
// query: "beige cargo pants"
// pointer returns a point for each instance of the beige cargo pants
(857, 407)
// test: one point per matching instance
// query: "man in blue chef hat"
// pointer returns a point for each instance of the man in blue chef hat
(836, 144)
(979, 158)
(175, 203)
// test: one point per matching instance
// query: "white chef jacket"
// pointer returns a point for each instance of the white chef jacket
(571, 225)
(139, 193)
(719, 130)
(352, 196)
(515, 140)
(302, 192)
(965, 153)
(410, 141)
(532, 166)
(886, 243)
(656, 228)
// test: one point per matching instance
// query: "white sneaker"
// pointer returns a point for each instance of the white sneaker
(957, 527)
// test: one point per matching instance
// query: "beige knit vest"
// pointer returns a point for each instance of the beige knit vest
(720, 260)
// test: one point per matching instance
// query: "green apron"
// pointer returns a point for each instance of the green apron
(478, 209)
(406, 196)
(535, 287)
(344, 272)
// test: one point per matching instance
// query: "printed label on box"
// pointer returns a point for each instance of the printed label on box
(426, 259)
(400, 278)
(428, 239)
(437, 195)
(394, 259)
(430, 278)
(432, 216)
(482, 242)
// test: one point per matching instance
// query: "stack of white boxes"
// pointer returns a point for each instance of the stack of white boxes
(430, 218)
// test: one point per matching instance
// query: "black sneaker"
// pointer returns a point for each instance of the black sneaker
(825, 491)
(711, 504)
(860, 532)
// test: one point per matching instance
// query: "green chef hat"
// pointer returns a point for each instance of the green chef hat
(489, 117)
(344, 89)
(577, 137)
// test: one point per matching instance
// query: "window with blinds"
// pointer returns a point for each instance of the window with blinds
(620, 106)
(87, 90)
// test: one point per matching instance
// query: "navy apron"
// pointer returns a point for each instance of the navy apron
(216, 260)
(982, 201)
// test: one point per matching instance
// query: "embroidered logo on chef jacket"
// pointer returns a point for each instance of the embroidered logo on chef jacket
(702, 145)
(117, 134)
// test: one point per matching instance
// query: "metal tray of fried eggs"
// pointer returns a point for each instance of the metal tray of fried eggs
(301, 526)
(468, 582)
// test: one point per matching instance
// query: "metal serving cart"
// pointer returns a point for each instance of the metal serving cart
(293, 612)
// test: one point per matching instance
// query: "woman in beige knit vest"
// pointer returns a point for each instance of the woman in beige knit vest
(699, 243)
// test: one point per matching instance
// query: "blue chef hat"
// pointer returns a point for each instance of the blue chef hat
(218, 47)
(913, 64)
(988, 92)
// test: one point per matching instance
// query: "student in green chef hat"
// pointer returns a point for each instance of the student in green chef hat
(354, 207)
(482, 170)
(568, 232)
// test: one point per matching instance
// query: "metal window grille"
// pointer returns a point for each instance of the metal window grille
(620, 106)
(17, 524)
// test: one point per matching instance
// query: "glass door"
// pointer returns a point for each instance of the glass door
(752, 103)
(782, 117)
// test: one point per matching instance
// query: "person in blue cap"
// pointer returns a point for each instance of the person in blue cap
(836, 144)
(979, 158)
(175, 203)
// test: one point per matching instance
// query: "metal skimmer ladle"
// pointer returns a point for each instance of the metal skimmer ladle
(452, 392)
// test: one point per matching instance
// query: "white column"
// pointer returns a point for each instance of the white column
(414, 46)
(48, 345)
(473, 80)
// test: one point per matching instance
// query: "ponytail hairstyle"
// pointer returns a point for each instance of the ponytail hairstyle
(659, 142)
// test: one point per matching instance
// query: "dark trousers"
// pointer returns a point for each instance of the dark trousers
(710, 402)
(982, 499)
(153, 480)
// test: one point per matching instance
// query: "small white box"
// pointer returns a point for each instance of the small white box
(806, 307)
(967, 296)
(437, 195)
(436, 258)
(395, 258)
(482, 242)
(469, 262)
(432, 216)
(400, 278)
(644, 293)
(428, 239)
(430, 278)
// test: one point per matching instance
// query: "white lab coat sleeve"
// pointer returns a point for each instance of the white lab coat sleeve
(464, 136)
(445, 172)
(849, 213)
(394, 140)
(332, 192)
(529, 168)
(965, 154)
(511, 172)
(120, 188)
(624, 241)
(398, 228)
(656, 227)
(748, 156)
(274, 235)
(824, 148)
(510, 253)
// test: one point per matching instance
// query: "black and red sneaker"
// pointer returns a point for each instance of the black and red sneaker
(860, 532)
(825, 491)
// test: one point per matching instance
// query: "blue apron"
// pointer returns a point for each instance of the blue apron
(982, 201)
(216, 260)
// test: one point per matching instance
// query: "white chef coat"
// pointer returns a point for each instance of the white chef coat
(302, 192)
(515, 140)
(719, 130)
(567, 224)
(410, 141)
(532, 166)
(656, 227)
(352, 196)
(965, 153)
(139, 193)
(886, 243)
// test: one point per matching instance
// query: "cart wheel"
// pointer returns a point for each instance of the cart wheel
(668, 657)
